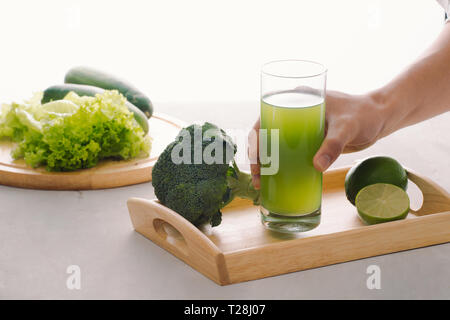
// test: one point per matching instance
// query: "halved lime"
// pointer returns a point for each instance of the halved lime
(382, 202)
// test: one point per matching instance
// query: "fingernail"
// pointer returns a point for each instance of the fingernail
(323, 161)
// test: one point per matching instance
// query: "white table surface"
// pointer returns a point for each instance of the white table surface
(43, 232)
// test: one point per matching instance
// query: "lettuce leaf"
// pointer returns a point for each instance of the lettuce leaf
(73, 133)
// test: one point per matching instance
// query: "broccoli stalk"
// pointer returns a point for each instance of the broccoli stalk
(199, 190)
(240, 184)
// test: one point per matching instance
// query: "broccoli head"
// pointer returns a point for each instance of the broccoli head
(193, 176)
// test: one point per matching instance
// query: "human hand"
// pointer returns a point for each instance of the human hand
(352, 123)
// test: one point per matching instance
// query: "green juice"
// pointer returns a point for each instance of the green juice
(296, 189)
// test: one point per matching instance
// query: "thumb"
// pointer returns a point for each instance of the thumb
(332, 146)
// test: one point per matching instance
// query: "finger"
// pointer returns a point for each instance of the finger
(334, 143)
(253, 144)
(253, 153)
(255, 171)
(256, 181)
(354, 148)
(308, 90)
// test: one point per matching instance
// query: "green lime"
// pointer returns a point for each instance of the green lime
(374, 170)
(382, 202)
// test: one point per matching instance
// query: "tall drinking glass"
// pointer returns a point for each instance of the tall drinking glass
(291, 131)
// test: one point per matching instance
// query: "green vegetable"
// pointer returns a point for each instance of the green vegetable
(382, 202)
(73, 133)
(58, 92)
(89, 76)
(198, 191)
(377, 169)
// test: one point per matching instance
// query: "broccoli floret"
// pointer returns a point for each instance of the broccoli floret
(198, 188)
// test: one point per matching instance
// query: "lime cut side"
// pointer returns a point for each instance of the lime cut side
(382, 202)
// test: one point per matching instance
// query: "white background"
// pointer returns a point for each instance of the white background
(202, 59)
(208, 50)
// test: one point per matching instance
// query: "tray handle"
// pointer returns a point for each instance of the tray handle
(435, 198)
(151, 218)
(174, 233)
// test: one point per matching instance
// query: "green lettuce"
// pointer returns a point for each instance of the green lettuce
(73, 133)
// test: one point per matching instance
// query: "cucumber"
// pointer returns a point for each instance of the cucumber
(92, 77)
(58, 92)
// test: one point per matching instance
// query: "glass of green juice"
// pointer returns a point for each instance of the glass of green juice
(292, 130)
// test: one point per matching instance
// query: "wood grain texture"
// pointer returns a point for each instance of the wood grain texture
(107, 174)
(181, 238)
(241, 249)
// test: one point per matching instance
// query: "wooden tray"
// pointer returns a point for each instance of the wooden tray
(241, 249)
(107, 174)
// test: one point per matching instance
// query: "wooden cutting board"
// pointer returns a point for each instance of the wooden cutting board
(107, 174)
